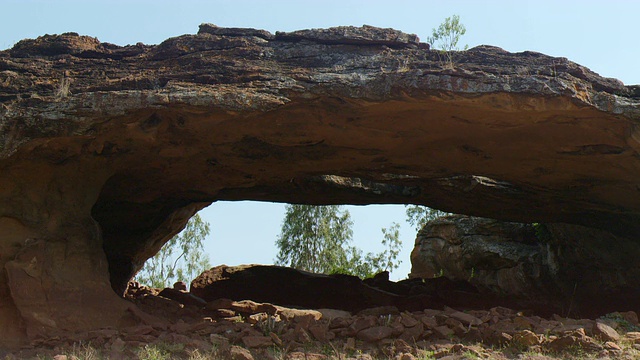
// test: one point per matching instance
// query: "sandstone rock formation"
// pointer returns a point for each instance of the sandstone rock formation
(290, 287)
(106, 151)
(567, 269)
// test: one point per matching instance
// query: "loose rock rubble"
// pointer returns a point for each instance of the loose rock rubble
(227, 329)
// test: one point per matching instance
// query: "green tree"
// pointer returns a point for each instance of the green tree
(318, 239)
(447, 36)
(418, 215)
(181, 259)
(314, 238)
(387, 260)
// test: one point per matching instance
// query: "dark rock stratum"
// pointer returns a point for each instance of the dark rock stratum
(106, 151)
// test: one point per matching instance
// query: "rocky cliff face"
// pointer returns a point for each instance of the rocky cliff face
(105, 151)
(565, 269)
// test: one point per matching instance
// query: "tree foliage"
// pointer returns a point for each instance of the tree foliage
(318, 239)
(418, 215)
(447, 36)
(314, 238)
(181, 259)
(388, 258)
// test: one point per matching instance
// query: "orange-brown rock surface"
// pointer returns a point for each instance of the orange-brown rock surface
(106, 151)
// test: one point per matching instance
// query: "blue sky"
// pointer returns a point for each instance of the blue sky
(601, 35)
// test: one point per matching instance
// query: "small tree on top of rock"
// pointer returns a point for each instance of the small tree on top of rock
(418, 215)
(446, 37)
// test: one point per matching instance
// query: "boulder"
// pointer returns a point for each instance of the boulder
(183, 297)
(553, 268)
(605, 332)
(108, 150)
(288, 287)
(294, 288)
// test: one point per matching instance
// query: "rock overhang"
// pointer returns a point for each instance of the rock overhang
(343, 115)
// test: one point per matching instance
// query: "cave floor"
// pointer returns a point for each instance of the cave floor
(226, 329)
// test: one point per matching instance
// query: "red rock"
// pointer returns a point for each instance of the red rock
(264, 284)
(412, 334)
(201, 327)
(396, 326)
(139, 330)
(405, 356)
(523, 323)
(432, 312)
(361, 323)
(631, 317)
(219, 341)
(182, 297)
(473, 335)
(525, 338)
(175, 338)
(339, 323)
(220, 303)
(257, 341)
(180, 285)
(429, 321)
(276, 339)
(297, 355)
(155, 321)
(379, 311)
(402, 346)
(298, 315)
(408, 320)
(466, 319)
(505, 326)
(495, 338)
(375, 333)
(611, 346)
(502, 311)
(605, 332)
(256, 318)
(107, 333)
(301, 335)
(239, 353)
(564, 328)
(574, 339)
(252, 307)
(331, 314)
(633, 336)
(364, 357)
(443, 331)
(451, 322)
(143, 339)
(225, 313)
(117, 345)
(180, 327)
(321, 332)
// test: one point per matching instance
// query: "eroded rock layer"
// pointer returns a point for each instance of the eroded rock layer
(105, 151)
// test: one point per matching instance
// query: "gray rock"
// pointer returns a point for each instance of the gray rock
(561, 268)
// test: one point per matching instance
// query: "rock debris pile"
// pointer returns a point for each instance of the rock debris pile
(245, 329)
